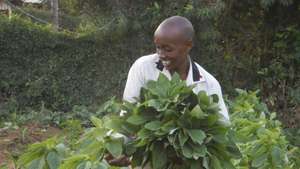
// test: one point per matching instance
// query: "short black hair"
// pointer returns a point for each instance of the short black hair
(181, 23)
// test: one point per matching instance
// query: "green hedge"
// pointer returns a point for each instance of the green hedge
(39, 65)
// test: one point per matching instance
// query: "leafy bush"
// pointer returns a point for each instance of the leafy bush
(259, 135)
(47, 155)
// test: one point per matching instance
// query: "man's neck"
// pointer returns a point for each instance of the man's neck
(183, 70)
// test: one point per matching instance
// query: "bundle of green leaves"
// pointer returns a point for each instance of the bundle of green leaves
(172, 127)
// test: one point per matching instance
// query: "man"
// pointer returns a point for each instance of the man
(173, 39)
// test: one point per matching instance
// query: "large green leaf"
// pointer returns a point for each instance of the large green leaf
(153, 125)
(258, 150)
(184, 122)
(197, 112)
(176, 78)
(259, 161)
(100, 166)
(84, 165)
(38, 163)
(205, 163)
(37, 151)
(114, 146)
(212, 119)
(277, 156)
(53, 160)
(203, 98)
(73, 161)
(227, 164)
(213, 108)
(144, 133)
(96, 121)
(160, 87)
(215, 162)
(220, 138)
(168, 126)
(182, 138)
(157, 104)
(187, 151)
(234, 151)
(199, 151)
(159, 156)
(136, 120)
(113, 122)
(129, 129)
(197, 135)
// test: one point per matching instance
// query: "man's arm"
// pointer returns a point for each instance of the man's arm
(132, 89)
(221, 103)
(223, 107)
(134, 83)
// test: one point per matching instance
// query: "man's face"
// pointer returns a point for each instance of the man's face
(172, 48)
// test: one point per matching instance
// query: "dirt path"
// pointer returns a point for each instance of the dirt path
(14, 141)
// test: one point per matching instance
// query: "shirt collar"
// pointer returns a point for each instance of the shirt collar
(194, 74)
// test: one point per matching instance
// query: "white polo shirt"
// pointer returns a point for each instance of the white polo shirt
(148, 68)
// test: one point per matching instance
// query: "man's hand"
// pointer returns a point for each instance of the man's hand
(122, 161)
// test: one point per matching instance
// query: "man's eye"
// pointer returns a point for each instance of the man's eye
(168, 50)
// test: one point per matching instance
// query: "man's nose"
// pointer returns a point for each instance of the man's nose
(161, 54)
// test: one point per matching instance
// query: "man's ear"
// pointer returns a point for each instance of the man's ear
(189, 44)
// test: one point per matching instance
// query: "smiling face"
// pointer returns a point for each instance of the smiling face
(172, 48)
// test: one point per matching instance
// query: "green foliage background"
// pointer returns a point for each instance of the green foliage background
(39, 65)
(251, 44)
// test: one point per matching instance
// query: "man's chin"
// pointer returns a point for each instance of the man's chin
(170, 69)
